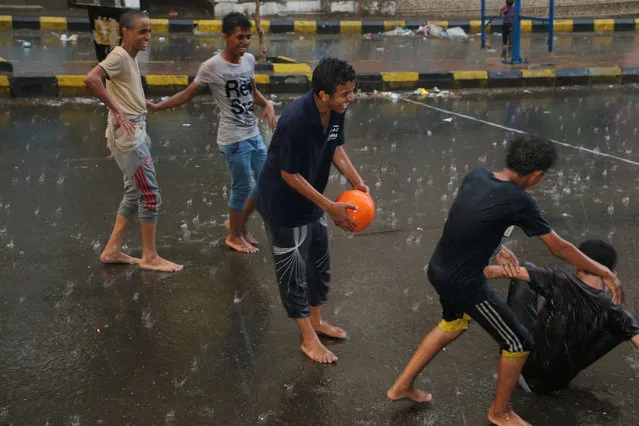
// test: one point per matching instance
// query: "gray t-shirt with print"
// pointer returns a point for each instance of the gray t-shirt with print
(232, 89)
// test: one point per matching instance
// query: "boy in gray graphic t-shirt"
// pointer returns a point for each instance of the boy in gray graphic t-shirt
(231, 86)
(230, 76)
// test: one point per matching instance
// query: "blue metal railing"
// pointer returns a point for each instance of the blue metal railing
(515, 57)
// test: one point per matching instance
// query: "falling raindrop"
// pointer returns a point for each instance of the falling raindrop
(411, 238)
(185, 231)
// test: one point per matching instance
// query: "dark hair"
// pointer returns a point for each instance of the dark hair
(127, 20)
(330, 73)
(233, 20)
(510, 1)
(600, 251)
(529, 153)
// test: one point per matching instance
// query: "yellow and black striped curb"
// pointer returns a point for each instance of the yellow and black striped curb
(276, 26)
(5, 66)
(299, 82)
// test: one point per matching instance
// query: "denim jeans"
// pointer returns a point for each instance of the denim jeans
(242, 159)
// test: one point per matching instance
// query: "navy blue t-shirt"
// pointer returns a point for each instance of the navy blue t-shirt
(484, 207)
(299, 146)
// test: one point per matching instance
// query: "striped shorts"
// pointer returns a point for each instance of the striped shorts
(495, 317)
(141, 192)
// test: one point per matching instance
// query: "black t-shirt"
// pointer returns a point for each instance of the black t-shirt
(576, 326)
(484, 207)
(299, 145)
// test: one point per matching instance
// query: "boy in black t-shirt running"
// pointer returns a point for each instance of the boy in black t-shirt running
(488, 203)
(578, 323)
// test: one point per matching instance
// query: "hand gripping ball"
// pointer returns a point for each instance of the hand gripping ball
(365, 212)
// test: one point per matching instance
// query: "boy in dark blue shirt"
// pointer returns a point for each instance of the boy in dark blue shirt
(308, 139)
(488, 203)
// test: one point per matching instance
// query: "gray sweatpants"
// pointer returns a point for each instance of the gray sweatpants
(141, 191)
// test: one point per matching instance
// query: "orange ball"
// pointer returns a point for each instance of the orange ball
(365, 212)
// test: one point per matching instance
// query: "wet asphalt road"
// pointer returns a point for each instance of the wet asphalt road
(83, 343)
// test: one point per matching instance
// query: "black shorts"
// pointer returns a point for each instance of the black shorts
(302, 265)
(495, 317)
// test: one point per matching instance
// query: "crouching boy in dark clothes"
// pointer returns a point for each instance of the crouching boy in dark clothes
(578, 323)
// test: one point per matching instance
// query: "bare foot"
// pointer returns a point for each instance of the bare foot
(160, 265)
(330, 330)
(118, 257)
(509, 418)
(241, 245)
(249, 238)
(318, 352)
(396, 392)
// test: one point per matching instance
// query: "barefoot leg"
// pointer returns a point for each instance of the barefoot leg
(240, 244)
(432, 344)
(322, 327)
(509, 418)
(235, 239)
(509, 373)
(151, 260)
(249, 207)
(311, 344)
(112, 251)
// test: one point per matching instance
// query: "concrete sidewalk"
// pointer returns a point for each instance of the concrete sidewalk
(478, 69)
(50, 67)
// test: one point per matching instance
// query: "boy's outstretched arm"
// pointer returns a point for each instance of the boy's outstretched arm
(572, 255)
(178, 99)
(506, 271)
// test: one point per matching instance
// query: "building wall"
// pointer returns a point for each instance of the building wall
(471, 9)
(429, 9)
